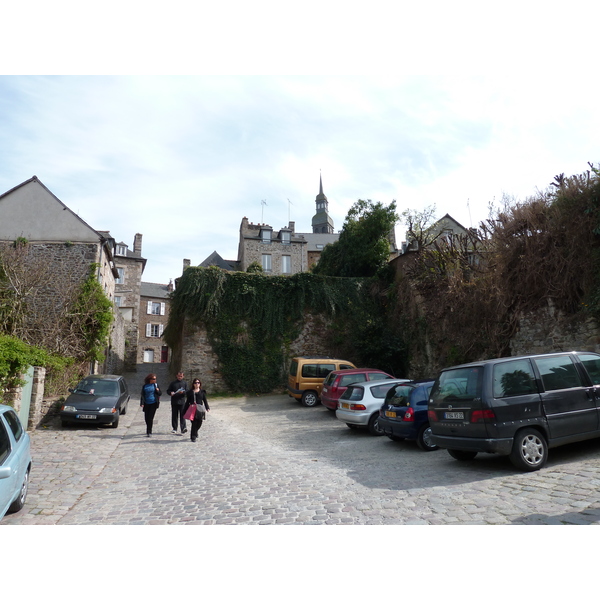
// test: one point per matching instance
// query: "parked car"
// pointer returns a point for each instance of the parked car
(15, 461)
(359, 405)
(336, 382)
(306, 376)
(96, 399)
(518, 406)
(403, 414)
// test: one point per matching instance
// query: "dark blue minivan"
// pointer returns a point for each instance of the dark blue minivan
(403, 415)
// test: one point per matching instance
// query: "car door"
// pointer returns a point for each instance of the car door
(569, 404)
(8, 468)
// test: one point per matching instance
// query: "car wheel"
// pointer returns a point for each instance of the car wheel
(124, 411)
(18, 504)
(424, 439)
(462, 454)
(310, 398)
(395, 438)
(373, 425)
(529, 451)
(115, 423)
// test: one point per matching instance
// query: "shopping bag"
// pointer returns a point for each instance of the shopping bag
(190, 413)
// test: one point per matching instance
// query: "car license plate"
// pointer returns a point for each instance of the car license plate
(86, 416)
(454, 415)
(345, 405)
(389, 413)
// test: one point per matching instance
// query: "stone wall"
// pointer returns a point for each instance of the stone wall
(549, 330)
(197, 358)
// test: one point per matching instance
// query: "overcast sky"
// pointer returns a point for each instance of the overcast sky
(452, 104)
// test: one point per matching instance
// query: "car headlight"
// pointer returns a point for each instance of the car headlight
(69, 409)
(108, 410)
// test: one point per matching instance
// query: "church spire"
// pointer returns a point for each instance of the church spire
(322, 222)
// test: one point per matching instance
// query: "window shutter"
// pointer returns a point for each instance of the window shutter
(162, 308)
(149, 309)
(148, 330)
(160, 329)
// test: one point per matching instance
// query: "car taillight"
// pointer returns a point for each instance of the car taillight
(431, 415)
(409, 415)
(358, 407)
(483, 415)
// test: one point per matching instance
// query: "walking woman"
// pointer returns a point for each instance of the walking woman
(150, 401)
(196, 397)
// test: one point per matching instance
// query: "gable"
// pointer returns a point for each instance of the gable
(33, 212)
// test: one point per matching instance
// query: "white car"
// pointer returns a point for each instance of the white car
(359, 405)
(15, 461)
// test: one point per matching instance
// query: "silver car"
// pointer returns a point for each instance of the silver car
(359, 405)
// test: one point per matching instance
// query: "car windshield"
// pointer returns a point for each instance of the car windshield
(98, 387)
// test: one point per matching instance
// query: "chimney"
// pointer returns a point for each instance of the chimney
(186, 263)
(170, 286)
(292, 225)
(137, 243)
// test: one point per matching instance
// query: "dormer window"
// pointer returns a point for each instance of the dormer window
(121, 249)
(265, 236)
(286, 237)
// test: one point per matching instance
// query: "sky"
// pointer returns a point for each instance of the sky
(179, 127)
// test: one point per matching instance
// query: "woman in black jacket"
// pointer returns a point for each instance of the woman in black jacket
(196, 396)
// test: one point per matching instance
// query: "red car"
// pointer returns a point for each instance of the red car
(336, 383)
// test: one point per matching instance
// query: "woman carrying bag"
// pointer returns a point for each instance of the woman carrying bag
(150, 401)
(196, 407)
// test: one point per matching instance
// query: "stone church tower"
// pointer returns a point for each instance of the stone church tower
(322, 222)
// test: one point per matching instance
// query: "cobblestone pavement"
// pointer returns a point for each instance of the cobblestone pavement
(268, 460)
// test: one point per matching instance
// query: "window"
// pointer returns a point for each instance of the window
(346, 380)
(266, 262)
(4, 443)
(265, 235)
(592, 366)
(514, 378)
(14, 424)
(121, 249)
(319, 246)
(118, 300)
(154, 330)
(121, 275)
(558, 373)
(155, 308)
(286, 264)
(286, 237)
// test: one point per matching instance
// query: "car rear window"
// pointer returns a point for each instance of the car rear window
(330, 379)
(376, 376)
(558, 372)
(399, 395)
(380, 391)
(458, 384)
(514, 378)
(346, 380)
(353, 393)
(293, 368)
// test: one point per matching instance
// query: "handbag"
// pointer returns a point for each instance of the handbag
(190, 413)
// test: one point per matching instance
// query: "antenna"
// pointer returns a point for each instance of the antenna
(469, 209)
(262, 218)
(289, 204)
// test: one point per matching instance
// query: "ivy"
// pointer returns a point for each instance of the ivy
(251, 318)
(93, 310)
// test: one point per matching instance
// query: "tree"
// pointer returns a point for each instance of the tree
(363, 247)
(418, 225)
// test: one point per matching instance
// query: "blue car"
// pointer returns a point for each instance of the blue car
(15, 461)
(403, 414)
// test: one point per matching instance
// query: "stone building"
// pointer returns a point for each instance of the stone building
(283, 251)
(65, 247)
(130, 266)
(153, 317)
